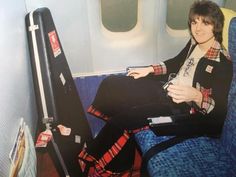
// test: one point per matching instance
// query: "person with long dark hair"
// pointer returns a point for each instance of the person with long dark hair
(203, 73)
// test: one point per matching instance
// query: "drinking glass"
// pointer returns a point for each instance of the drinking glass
(171, 77)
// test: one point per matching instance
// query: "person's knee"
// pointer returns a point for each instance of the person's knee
(114, 80)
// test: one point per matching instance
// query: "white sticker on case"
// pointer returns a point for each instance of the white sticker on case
(63, 80)
(77, 139)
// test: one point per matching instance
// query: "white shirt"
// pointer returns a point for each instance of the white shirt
(186, 72)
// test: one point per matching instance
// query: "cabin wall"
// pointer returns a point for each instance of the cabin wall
(16, 92)
(71, 21)
(91, 49)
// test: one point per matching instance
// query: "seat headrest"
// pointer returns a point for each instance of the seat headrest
(228, 14)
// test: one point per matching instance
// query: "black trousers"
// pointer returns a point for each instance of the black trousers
(128, 102)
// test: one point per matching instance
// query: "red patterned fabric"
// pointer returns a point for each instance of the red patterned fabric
(140, 129)
(214, 52)
(98, 167)
(208, 103)
(97, 113)
(159, 69)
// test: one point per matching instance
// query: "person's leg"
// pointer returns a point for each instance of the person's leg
(136, 117)
(127, 102)
(117, 93)
(115, 143)
(112, 149)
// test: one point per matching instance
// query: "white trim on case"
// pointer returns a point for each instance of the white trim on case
(32, 29)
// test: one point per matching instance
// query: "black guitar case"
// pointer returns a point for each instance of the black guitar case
(57, 99)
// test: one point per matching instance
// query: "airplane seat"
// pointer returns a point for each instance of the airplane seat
(199, 156)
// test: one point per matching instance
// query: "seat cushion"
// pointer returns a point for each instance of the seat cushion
(201, 156)
(147, 139)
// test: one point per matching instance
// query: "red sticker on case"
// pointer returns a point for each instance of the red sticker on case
(65, 131)
(54, 43)
(44, 138)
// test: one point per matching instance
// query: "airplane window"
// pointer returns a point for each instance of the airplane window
(177, 13)
(230, 4)
(119, 15)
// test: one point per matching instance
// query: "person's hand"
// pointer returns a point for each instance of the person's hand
(140, 72)
(180, 93)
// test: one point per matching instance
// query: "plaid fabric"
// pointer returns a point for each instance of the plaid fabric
(97, 113)
(214, 52)
(207, 102)
(113, 151)
(98, 167)
(159, 69)
(139, 129)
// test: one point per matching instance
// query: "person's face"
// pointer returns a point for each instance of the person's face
(202, 30)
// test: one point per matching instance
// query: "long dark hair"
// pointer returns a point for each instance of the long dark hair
(210, 12)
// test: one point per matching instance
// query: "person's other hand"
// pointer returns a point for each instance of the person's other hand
(181, 93)
(137, 73)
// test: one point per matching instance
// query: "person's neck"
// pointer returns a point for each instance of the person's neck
(207, 44)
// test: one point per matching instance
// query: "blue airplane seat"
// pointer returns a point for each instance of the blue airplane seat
(201, 156)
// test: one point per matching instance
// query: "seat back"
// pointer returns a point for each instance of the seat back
(229, 129)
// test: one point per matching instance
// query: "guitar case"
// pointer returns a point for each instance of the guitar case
(57, 98)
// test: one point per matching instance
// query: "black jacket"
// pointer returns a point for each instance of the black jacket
(212, 77)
